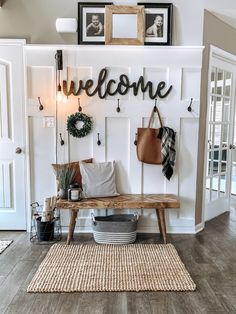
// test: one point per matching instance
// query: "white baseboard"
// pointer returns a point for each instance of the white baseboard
(169, 229)
(199, 227)
(178, 226)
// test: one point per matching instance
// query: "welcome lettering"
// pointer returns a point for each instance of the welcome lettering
(122, 87)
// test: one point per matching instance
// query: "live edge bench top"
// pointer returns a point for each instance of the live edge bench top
(123, 201)
(158, 201)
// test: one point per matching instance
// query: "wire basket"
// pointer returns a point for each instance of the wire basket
(43, 232)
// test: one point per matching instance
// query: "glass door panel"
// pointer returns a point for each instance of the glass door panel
(218, 109)
(217, 136)
(222, 185)
(219, 81)
(218, 166)
(226, 110)
(228, 83)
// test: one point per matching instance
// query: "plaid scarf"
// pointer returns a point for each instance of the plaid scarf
(167, 136)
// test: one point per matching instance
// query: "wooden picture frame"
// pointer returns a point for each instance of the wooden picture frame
(87, 33)
(158, 23)
(111, 11)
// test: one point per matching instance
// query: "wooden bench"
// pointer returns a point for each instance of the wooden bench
(134, 201)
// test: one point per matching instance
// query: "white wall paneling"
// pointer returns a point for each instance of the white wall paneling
(41, 83)
(187, 165)
(118, 148)
(189, 89)
(179, 66)
(42, 152)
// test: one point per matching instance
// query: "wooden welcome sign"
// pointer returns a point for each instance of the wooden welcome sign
(122, 87)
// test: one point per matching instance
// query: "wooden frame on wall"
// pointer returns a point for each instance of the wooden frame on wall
(158, 34)
(112, 10)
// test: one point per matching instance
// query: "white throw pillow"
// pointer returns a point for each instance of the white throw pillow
(98, 179)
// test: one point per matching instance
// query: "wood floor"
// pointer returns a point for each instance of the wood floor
(209, 256)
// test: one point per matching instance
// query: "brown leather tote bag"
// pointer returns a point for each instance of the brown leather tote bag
(148, 143)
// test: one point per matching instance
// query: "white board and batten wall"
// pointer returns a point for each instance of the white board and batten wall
(177, 66)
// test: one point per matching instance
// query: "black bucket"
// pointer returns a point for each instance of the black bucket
(45, 230)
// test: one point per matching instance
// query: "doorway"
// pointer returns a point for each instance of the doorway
(220, 156)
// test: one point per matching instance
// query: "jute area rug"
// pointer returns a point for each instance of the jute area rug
(135, 267)
(4, 244)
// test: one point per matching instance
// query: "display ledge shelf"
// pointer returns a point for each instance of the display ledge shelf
(109, 47)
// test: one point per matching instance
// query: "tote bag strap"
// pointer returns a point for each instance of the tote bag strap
(151, 120)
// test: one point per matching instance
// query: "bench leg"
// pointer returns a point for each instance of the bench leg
(73, 216)
(161, 222)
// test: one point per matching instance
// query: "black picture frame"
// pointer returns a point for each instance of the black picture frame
(90, 32)
(156, 34)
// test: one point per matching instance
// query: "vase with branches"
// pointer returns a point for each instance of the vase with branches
(65, 176)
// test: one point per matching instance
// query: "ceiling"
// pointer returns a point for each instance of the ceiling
(228, 16)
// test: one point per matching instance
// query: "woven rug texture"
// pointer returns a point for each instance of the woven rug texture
(135, 267)
(4, 244)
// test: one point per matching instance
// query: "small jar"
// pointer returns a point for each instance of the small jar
(74, 193)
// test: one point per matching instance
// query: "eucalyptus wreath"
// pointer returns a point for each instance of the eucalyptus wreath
(72, 121)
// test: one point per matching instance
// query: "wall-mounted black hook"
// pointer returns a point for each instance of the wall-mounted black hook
(118, 105)
(155, 106)
(62, 142)
(79, 107)
(98, 141)
(40, 104)
(190, 106)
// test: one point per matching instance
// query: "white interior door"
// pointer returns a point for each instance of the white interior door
(220, 141)
(12, 137)
(233, 164)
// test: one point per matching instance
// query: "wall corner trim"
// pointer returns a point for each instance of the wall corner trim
(199, 227)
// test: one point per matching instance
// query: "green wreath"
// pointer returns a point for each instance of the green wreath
(72, 121)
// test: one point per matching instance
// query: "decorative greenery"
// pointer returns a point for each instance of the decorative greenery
(65, 176)
(72, 121)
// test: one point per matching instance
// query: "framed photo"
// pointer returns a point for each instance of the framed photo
(158, 23)
(91, 16)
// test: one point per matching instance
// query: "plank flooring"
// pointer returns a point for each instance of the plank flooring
(210, 257)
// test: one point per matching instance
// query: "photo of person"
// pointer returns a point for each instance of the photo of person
(94, 24)
(154, 25)
(91, 28)
(158, 23)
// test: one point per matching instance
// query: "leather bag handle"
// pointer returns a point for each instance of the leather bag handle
(151, 120)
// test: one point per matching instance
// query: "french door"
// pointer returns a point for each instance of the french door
(12, 137)
(220, 136)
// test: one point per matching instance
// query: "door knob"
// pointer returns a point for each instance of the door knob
(18, 150)
(232, 146)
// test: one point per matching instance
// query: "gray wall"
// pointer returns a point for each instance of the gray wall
(35, 19)
(223, 36)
